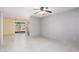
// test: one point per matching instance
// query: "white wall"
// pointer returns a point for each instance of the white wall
(63, 26)
(34, 26)
(1, 28)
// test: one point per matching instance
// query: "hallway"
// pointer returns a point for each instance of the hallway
(20, 43)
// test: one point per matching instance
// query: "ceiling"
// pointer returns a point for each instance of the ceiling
(26, 12)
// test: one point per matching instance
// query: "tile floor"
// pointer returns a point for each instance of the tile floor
(19, 43)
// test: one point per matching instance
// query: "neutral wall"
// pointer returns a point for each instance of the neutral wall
(1, 28)
(63, 26)
(34, 26)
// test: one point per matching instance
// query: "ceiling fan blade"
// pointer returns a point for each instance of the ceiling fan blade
(49, 11)
(36, 12)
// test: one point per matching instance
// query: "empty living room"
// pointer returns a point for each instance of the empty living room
(39, 29)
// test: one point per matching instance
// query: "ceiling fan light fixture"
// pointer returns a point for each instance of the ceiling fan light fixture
(43, 10)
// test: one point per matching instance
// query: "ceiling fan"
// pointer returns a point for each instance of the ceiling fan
(43, 9)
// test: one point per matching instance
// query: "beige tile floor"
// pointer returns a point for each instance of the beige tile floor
(19, 43)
